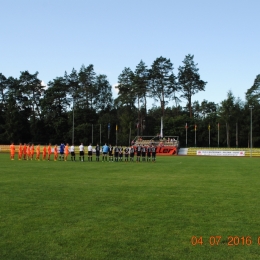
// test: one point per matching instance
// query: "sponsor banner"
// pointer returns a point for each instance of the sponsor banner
(220, 153)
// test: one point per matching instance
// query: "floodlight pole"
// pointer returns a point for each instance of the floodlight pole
(73, 123)
(236, 135)
(195, 135)
(251, 143)
(116, 134)
(218, 134)
(100, 134)
(209, 135)
(92, 135)
(130, 134)
(186, 126)
(108, 132)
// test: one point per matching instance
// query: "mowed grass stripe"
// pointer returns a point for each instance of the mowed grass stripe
(95, 210)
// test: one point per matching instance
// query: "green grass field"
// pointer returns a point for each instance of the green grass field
(74, 210)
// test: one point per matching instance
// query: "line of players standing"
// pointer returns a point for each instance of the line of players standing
(108, 153)
(119, 154)
(27, 152)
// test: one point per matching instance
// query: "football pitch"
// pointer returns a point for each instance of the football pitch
(177, 208)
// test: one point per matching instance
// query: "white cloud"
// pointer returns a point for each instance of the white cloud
(43, 84)
(115, 90)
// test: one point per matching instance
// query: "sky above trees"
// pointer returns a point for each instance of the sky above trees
(56, 36)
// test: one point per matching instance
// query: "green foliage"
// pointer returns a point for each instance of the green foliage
(162, 81)
(126, 94)
(125, 122)
(87, 91)
(31, 112)
(141, 81)
(103, 96)
(253, 93)
(189, 80)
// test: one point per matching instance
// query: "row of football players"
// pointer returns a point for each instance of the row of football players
(29, 152)
(118, 153)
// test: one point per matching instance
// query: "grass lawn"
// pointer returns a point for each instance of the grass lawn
(95, 210)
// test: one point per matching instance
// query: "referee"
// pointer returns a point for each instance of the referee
(97, 152)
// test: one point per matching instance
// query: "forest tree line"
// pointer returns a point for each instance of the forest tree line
(32, 112)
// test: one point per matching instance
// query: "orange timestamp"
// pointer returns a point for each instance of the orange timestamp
(217, 240)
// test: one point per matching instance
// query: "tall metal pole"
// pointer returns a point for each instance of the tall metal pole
(161, 131)
(209, 134)
(108, 132)
(251, 143)
(141, 130)
(130, 135)
(227, 134)
(116, 134)
(218, 134)
(236, 135)
(92, 134)
(72, 123)
(186, 126)
(195, 128)
(100, 134)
